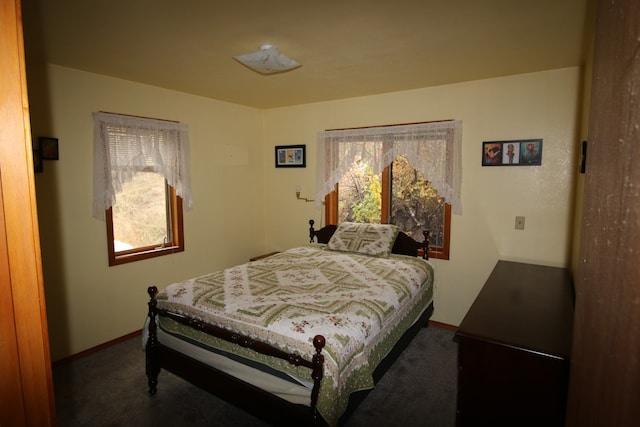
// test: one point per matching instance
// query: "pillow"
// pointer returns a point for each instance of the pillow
(369, 239)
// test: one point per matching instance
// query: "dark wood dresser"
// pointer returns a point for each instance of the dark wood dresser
(515, 348)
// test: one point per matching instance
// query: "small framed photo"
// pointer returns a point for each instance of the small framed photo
(49, 148)
(291, 156)
(37, 160)
(522, 152)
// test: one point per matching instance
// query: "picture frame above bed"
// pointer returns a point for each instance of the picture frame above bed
(520, 152)
(291, 156)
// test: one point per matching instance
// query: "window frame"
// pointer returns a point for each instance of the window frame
(435, 252)
(173, 245)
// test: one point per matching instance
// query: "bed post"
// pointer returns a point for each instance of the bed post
(425, 244)
(317, 374)
(312, 232)
(152, 363)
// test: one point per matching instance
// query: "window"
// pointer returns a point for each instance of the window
(145, 221)
(413, 204)
(385, 181)
(416, 206)
(146, 160)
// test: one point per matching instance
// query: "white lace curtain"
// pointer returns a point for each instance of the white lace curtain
(435, 149)
(124, 145)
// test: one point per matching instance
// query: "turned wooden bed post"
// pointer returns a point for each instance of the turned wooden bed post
(317, 374)
(312, 232)
(425, 244)
(152, 363)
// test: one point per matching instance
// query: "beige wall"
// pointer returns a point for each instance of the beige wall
(244, 206)
(540, 105)
(88, 302)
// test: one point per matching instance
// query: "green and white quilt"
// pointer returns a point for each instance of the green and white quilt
(361, 304)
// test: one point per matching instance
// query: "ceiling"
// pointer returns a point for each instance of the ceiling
(348, 48)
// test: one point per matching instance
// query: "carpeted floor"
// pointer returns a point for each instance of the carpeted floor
(109, 388)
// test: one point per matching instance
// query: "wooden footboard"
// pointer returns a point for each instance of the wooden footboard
(154, 348)
(250, 398)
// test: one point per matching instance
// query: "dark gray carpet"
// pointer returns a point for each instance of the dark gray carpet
(109, 388)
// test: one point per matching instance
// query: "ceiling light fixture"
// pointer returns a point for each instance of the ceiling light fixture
(268, 60)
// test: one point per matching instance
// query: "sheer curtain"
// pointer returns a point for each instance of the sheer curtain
(124, 145)
(435, 149)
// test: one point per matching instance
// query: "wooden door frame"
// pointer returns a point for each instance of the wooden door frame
(26, 385)
(604, 386)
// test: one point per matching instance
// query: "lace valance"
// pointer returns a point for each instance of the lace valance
(434, 149)
(124, 145)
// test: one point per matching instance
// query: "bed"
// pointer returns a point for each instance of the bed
(299, 337)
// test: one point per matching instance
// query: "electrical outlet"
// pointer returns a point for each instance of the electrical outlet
(519, 223)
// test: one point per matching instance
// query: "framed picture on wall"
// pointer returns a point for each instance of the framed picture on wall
(291, 156)
(521, 152)
(49, 148)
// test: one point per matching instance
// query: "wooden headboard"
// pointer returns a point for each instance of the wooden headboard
(404, 245)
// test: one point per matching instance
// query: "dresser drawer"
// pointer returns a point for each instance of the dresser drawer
(514, 348)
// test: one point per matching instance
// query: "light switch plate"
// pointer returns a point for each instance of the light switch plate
(519, 223)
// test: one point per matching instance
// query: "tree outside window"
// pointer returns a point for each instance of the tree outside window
(414, 204)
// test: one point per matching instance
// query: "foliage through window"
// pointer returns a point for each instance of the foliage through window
(145, 221)
(414, 205)
(140, 214)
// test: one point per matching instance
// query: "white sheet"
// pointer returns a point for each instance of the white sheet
(287, 390)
